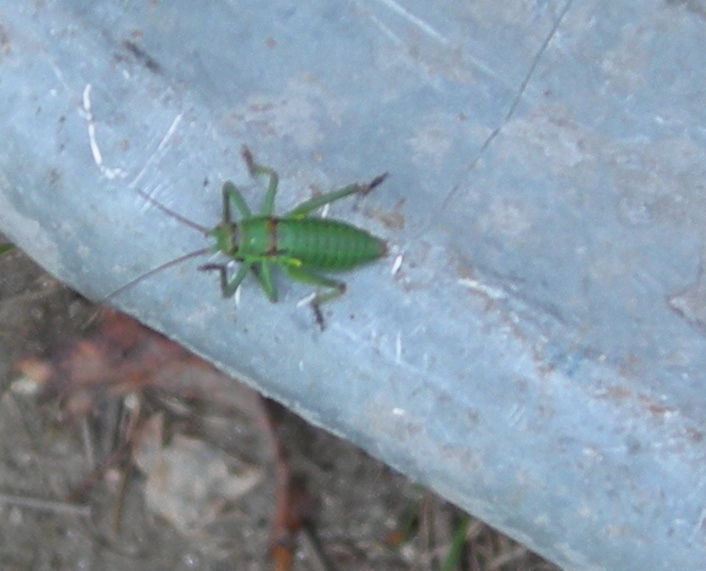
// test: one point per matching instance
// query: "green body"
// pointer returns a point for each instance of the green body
(304, 246)
(314, 243)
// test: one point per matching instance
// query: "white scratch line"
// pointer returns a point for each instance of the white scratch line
(170, 132)
(236, 297)
(162, 144)
(92, 141)
(397, 264)
(398, 348)
(421, 24)
(516, 414)
(95, 150)
(60, 76)
(699, 526)
(154, 192)
(485, 289)
(306, 300)
(387, 31)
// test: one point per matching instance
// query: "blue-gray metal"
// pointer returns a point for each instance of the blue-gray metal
(534, 347)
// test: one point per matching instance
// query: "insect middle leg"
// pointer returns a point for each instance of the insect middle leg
(313, 203)
(261, 270)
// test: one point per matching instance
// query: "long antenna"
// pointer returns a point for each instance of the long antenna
(153, 271)
(171, 213)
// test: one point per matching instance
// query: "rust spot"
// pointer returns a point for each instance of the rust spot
(697, 7)
(5, 45)
(694, 435)
(630, 365)
(54, 176)
(395, 220)
(655, 408)
(616, 393)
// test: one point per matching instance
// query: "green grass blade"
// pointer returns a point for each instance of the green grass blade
(454, 556)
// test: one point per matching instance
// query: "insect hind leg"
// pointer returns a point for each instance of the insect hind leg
(336, 288)
(261, 271)
(357, 188)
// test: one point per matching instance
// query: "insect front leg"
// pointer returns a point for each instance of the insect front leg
(258, 169)
(335, 288)
(228, 288)
(313, 203)
(231, 194)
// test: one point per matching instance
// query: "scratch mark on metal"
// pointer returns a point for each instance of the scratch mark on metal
(518, 96)
(109, 173)
(306, 300)
(236, 298)
(484, 289)
(516, 414)
(155, 191)
(386, 30)
(160, 147)
(60, 76)
(421, 24)
(95, 150)
(397, 264)
(699, 525)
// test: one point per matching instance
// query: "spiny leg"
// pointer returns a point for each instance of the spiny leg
(336, 288)
(228, 287)
(258, 169)
(313, 203)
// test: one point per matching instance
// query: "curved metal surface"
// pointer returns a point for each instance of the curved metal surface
(533, 348)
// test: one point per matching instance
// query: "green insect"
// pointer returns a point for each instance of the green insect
(305, 247)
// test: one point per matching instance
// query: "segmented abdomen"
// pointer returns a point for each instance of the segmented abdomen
(327, 245)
